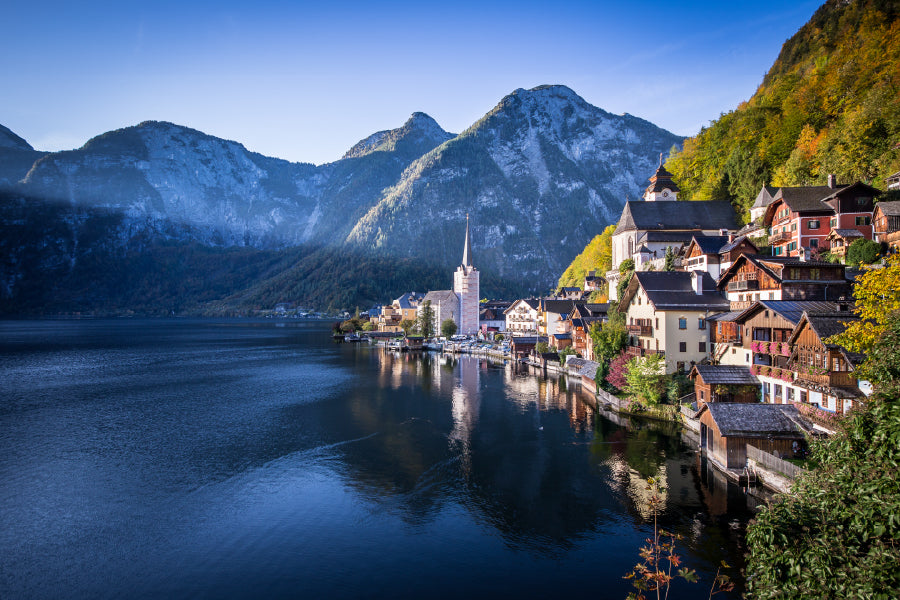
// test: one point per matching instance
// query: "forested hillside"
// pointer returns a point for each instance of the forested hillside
(829, 104)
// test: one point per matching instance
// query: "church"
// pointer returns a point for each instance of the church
(462, 302)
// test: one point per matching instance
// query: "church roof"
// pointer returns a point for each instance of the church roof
(661, 180)
(697, 216)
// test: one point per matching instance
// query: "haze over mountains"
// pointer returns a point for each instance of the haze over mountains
(540, 175)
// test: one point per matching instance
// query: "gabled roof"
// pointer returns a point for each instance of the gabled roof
(532, 303)
(673, 290)
(701, 215)
(440, 297)
(825, 325)
(890, 209)
(408, 300)
(735, 243)
(842, 189)
(845, 233)
(561, 307)
(792, 310)
(755, 420)
(709, 244)
(807, 198)
(573, 362)
(774, 267)
(764, 198)
(589, 369)
(724, 375)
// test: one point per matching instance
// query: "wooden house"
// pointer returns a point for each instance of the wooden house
(727, 427)
(724, 383)
(714, 254)
(839, 239)
(753, 278)
(824, 370)
(523, 346)
(886, 223)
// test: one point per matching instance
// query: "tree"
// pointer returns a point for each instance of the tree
(863, 252)
(448, 328)
(835, 535)
(626, 272)
(618, 368)
(610, 338)
(425, 320)
(407, 325)
(645, 378)
(368, 326)
(541, 348)
(670, 259)
(877, 294)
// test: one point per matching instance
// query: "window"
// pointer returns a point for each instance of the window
(701, 395)
(814, 224)
(792, 246)
(778, 390)
(814, 243)
(814, 273)
(701, 324)
(702, 347)
(833, 222)
(803, 397)
(863, 220)
(682, 323)
(682, 346)
(679, 366)
(790, 394)
(657, 322)
(734, 350)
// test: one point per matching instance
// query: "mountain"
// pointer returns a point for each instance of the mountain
(16, 157)
(829, 104)
(540, 174)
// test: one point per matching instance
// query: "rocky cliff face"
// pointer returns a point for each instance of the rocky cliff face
(540, 174)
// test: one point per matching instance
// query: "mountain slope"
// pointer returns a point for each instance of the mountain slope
(829, 104)
(540, 174)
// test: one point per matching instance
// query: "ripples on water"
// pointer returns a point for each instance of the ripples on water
(237, 459)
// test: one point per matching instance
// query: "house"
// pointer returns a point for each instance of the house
(800, 218)
(522, 346)
(551, 312)
(886, 224)
(727, 427)
(570, 293)
(714, 254)
(522, 316)
(444, 305)
(402, 309)
(824, 370)
(893, 182)
(492, 320)
(753, 277)
(659, 222)
(666, 313)
(718, 383)
(583, 317)
(838, 240)
(593, 282)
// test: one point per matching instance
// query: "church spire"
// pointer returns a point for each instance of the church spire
(467, 250)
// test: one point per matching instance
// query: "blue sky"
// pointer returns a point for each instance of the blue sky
(305, 81)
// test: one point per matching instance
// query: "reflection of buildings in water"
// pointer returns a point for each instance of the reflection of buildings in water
(549, 393)
(637, 487)
(466, 401)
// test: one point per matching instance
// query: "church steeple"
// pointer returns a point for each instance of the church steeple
(467, 249)
(661, 186)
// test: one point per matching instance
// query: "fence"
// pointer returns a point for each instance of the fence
(773, 463)
(607, 398)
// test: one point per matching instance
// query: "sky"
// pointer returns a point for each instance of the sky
(305, 81)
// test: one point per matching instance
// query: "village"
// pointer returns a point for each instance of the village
(731, 325)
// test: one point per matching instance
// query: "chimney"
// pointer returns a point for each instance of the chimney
(831, 181)
(697, 281)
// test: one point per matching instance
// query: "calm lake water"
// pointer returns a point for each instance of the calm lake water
(201, 459)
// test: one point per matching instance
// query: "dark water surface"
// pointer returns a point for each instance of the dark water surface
(200, 459)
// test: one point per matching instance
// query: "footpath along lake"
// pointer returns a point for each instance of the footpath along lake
(240, 459)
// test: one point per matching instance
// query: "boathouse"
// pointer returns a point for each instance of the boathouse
(727, 427)
(724, 383)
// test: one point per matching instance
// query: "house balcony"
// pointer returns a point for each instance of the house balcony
(638, 352)
(735, 339)
(743, 286)
(641, 330)
(840, 379)
(781, 237)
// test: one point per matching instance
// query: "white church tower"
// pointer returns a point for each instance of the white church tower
(661, 188)
(466, 286)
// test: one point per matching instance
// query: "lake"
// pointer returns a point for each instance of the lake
(239, 459)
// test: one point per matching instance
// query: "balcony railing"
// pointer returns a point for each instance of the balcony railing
(743, 286)
(637, 351)
(781, 236)
(641, 330)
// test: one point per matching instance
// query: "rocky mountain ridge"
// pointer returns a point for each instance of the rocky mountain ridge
(540, 174)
